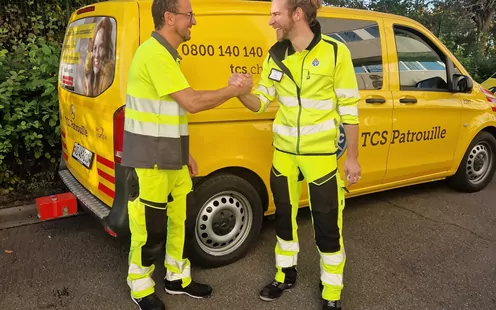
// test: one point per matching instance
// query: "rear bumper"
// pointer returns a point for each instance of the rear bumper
(114, 219)
(88, 200)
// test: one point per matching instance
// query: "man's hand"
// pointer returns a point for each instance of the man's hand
(243, 81)
(236, 79)
(352, 171)
(352, 168)
(193, 167)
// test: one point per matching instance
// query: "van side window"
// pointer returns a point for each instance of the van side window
(419, 63)
(364, 41)
(87, 64)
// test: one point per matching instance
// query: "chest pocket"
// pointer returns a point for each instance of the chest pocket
(318, 78)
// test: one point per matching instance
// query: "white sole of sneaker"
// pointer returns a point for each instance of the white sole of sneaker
(136, 302)
(184, 293)
(267, 299)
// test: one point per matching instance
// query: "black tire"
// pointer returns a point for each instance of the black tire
(482, 149)
(230, 199)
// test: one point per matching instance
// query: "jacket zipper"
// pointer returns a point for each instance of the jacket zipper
(298, 92)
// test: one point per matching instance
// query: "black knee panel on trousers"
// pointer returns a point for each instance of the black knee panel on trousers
(325, 210)
(282, 201)
(156, 224)
(132, 184)
(290, 274)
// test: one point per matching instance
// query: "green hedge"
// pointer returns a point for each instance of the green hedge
(29, 61)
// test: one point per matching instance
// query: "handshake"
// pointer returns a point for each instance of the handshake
(243, 83)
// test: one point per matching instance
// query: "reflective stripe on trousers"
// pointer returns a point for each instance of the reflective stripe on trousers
(326, 194)
(161, 206)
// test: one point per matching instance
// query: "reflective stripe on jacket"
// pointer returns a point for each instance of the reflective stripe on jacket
(316, 90)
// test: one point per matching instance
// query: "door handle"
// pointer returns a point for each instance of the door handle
(375, 100)
(408, 100)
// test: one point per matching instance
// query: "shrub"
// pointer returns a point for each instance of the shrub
(31, 35)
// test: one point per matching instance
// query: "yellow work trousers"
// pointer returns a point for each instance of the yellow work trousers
(160, 207)
(326, 195)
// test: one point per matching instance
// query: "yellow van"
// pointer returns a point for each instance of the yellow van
(423, 118)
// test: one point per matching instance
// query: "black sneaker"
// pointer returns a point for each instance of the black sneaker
(274, 290)
(150, 302)
(194, 289)
(331, 304)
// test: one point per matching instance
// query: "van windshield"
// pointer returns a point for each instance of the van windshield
(87, 62)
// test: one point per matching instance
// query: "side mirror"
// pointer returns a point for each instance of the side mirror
(462, 83)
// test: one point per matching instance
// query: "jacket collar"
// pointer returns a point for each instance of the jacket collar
(279, 49)
(167, 45)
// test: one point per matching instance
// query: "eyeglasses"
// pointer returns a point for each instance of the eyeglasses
(189, 14)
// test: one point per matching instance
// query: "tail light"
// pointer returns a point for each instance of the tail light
(86, 10)
(118, 134)
(490, 97)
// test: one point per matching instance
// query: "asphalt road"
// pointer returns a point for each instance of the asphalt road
(424, 247)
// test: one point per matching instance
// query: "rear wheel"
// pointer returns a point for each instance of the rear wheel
(477, 167)
(224, 218)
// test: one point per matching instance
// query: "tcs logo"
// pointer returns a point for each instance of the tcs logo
(341, 141)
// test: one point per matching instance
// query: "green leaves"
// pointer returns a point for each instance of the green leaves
(31, 35)
(29, 111)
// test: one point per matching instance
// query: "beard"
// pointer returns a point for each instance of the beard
(185, 34)
(283, 33)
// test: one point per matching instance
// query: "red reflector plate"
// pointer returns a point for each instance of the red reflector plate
(110, 232)
(494, 109)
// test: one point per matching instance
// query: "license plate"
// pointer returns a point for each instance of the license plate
(82, 155)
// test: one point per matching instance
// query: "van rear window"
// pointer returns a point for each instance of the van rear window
(87, 63)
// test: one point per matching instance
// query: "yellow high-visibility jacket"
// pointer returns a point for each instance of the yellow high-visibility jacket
(316, 90)
(156, 127)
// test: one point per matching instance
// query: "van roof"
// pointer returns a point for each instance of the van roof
(263, 7)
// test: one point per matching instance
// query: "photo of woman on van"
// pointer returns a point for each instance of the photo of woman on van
(99, 65)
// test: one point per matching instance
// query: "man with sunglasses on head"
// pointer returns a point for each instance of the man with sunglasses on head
(157, 148)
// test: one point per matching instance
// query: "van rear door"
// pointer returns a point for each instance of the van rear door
(98, 47)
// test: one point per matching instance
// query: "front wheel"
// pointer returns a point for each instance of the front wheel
(224, 219)
(477, 167)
